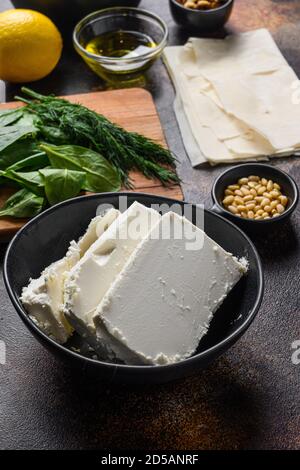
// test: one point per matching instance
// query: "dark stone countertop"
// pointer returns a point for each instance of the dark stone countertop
(247, 399)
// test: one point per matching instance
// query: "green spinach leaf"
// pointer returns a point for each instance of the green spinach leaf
(27, 119)
(9, 116)
(17, 151)
(30, 180)
(101, 176)
(22, 204)
(61, 184)
(53, 135)
(10, 134)
(34, 162)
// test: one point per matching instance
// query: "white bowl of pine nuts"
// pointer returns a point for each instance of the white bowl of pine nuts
(201, 15)
(255, 193)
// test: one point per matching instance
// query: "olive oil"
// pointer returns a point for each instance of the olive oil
(119, 44)
(113, 50)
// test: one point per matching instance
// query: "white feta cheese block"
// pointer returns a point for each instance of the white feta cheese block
(91, 277)
(43, 298)
(161, 304)
(96, 227)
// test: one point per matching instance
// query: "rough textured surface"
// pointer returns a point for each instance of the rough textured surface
(247, 399)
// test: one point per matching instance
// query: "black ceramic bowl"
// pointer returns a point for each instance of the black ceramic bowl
(71, 10)
(45, 239)
(231, 176)
(202, 21)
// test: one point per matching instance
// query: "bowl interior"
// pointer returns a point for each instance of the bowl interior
(46, 239)
(208, 12)
(120, 19)
(265, 171)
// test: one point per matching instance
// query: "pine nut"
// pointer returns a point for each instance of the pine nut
(267, 208)
(239, 200)
(238, 192)
(270, 185)
(261, 190)
(280, 208)
(277, 186)
(264, 182)
(250, 215)
(232, 209)
(228, 200)
(253, 178)
(248, 198)
(233, 187)
(265, 202)
(190, 5)
(203, 4)
(243, 181)
(241, 208)
(274, 204)
(228, 192)
(283, 200)
(245, 191)
(275, 193)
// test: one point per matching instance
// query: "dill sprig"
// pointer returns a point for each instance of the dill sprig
(62, 122)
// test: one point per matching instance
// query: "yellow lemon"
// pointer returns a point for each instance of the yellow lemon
(30, 45)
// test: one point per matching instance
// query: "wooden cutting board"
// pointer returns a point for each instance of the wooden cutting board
(132, 109)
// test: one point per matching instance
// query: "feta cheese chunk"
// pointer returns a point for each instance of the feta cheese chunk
(92, 276)
(43, 298)
(160, 305)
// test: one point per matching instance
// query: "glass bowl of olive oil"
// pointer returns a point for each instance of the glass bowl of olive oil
(119, 44)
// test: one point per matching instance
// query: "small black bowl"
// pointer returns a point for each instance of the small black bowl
(46, 238)
(202, 21)
(231, 176)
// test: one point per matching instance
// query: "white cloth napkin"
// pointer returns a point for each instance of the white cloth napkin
(235, 98)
